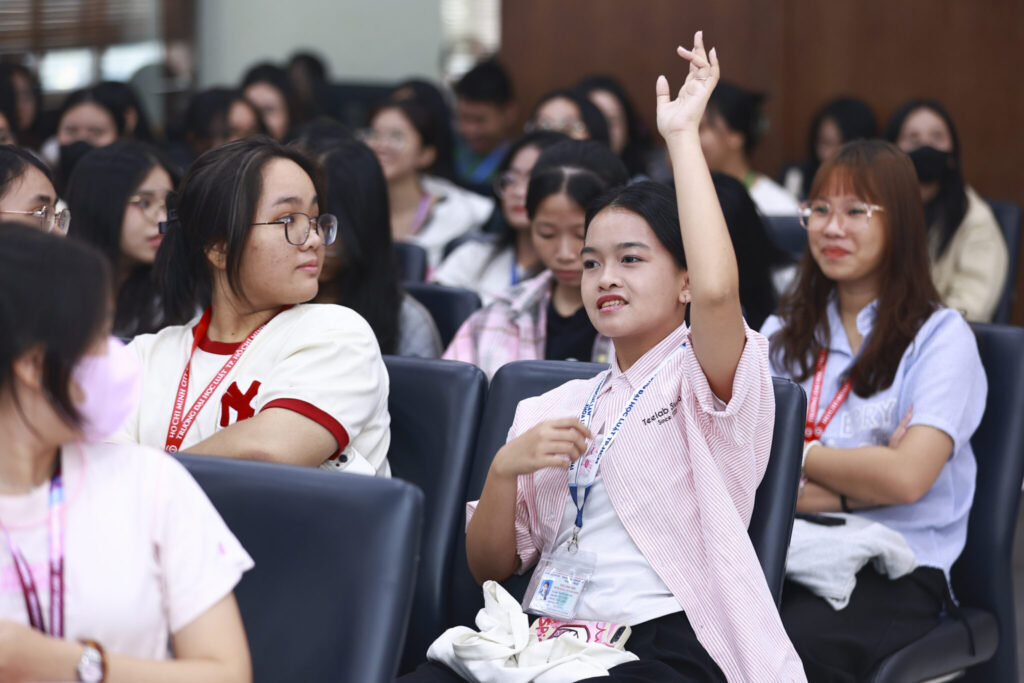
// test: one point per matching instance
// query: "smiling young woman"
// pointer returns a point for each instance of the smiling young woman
(896, 389)
(664, 520)
(259, 374)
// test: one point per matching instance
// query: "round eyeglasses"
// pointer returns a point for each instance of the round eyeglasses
(852, 216)
(50, 220)
(297, 227)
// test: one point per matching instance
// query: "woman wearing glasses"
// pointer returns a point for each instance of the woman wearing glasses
(489, 268)
(26, 192)
(120, 193)
(896, 389)
(257, 373)
(425, 210)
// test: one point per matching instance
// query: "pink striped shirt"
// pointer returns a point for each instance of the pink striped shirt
(682, 476)
(512, 327)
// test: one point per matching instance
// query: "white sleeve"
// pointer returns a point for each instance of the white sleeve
(330, 371)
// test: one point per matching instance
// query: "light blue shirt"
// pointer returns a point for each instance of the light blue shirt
(941, 376)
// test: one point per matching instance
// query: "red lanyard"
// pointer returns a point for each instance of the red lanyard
(180, 424)
(28, 584)
(814, 430)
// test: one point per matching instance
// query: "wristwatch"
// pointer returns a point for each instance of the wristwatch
(92, 666)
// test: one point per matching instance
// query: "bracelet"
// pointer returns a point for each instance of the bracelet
(92, 667)
(843, 504)
(807, 449)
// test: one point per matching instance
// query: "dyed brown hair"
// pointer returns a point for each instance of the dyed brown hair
(876, 172)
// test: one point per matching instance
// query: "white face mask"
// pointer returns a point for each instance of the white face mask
(112, 383)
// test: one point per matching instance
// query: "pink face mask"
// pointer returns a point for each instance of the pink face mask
(112, 383)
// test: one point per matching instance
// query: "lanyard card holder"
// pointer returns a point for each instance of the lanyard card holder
(558, 582)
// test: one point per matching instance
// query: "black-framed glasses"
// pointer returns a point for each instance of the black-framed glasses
(298, 225)
(49, 219)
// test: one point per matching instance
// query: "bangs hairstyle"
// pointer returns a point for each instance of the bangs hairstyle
(421, 118)
(217, 204)
(655, 203)
(580, 169)
(50, 286)
(876, 172)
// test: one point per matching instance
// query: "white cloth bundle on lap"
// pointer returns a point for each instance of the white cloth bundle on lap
(505, 650)
(826, 559)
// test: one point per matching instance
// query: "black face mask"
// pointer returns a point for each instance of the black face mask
(931, 164)
(69, 156)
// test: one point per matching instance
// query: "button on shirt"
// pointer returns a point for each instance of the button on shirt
(941, 376)
(681, 476)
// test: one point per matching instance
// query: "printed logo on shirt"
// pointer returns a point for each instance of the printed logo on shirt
(664, 414)
(234, 399)
(876, 416)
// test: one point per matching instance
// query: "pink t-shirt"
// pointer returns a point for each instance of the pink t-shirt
(146, 553)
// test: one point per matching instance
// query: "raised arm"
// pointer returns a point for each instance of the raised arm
(715, 316)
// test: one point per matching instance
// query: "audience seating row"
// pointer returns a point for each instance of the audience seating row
(335, 579)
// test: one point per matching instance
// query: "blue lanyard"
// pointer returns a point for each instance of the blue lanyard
(586, 415)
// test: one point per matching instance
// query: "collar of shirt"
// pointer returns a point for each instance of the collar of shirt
(837, 333)
(528, 296)
(646, 364)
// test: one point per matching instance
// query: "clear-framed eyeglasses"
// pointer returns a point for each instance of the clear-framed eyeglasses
(852, 216)
(50, 220)
(510, 179)
(154, 208)
(297, 227)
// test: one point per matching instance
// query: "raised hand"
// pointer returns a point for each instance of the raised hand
(546, 445)
(683, 114)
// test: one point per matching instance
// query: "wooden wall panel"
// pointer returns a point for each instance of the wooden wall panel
(802, 53)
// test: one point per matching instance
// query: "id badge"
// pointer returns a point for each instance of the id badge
(558, 582)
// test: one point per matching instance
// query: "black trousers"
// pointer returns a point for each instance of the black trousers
(883, 616)
(668, 649)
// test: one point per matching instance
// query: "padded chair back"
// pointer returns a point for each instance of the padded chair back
(1008, 215)
(435, 408)
(335, 553)
(449, 306)
(412, 261)
(788, 234)
(772, 520)
(486, 238)
(983, 576)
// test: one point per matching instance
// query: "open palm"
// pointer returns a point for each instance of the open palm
(684, 112)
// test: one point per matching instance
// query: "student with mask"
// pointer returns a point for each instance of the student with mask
(484, 112)
(89, 118)
(118, 566)
(968, 253)
(258, 373)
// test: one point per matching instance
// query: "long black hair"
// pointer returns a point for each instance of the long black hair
(277, 78)
(367, 280)
(855, 120)
(542, 140)
(424, 121)
(638, 142)
(54, 294)
(946, 211)
(215, 204)
(756, 253)
(428, 96)
(97, 196)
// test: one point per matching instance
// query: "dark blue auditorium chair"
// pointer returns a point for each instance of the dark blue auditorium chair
(983, 576)
(449, 306)
(329, 597)
(412, 261)
(774, 505)
(1008, 216)
(787, 233)
(435, 410)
